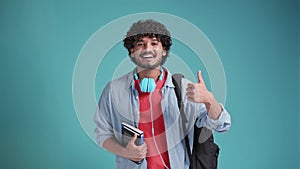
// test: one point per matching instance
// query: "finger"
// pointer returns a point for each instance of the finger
(136, 159)
(189, 90)
(143, 153)
(143, 148)
(200, 79)
(191, 85)
(133, 139)
(191, 99)
(190, 94)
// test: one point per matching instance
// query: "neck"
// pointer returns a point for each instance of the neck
(149, 73)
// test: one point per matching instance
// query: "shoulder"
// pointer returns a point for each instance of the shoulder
(124, 80)
(119, 84)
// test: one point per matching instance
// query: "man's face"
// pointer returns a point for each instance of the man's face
(148, 53)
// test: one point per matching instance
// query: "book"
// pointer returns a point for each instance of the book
(128, 132)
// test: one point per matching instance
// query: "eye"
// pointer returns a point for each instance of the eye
(154, 43)
(139, 44)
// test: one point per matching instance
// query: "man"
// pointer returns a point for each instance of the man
(145, 98)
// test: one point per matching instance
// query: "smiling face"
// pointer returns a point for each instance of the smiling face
(148, 53)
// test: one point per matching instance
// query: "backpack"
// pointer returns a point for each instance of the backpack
(205, 151)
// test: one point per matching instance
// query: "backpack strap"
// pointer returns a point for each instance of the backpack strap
(176, 79)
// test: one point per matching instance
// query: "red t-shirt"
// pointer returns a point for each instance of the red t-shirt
(153, 158)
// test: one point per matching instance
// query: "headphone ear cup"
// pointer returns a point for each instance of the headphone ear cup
(151, 85)
(144, 84)
(147, 85)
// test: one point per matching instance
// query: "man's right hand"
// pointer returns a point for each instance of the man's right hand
(135, 153)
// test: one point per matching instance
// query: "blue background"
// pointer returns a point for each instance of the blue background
(258, 43)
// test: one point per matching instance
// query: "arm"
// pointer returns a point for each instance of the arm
(131, 151)
(213, 108)
(105, 130)
(217, 117)
(198, 93)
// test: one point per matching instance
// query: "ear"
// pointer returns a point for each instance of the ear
(131, 52)
(164, 53)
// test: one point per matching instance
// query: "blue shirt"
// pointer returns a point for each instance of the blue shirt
(119, 103)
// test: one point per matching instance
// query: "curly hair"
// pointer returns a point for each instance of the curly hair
(149, 28)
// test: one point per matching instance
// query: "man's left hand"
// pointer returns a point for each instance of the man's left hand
(198, 93)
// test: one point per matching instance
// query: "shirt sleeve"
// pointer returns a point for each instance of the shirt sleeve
(102, 117)
(222, 124)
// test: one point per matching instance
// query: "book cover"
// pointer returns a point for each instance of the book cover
(128, 132)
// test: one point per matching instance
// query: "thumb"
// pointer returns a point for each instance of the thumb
(200, 79)
(133, 139)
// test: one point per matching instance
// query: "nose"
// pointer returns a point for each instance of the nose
(148, 46)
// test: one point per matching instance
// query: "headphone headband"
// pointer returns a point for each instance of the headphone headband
(136, 77)
(148, 84)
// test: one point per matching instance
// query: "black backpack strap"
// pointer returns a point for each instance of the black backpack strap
(176, 79)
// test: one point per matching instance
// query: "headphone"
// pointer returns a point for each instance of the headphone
(148, 84)
(153, 135)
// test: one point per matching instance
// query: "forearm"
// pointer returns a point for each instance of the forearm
(213, 108)
(131, 151)
(112, 145)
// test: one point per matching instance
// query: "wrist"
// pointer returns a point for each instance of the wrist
(123, 152)
(209, 99)
(214, 109)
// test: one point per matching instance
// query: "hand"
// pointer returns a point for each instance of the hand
(135, 153)
(197, 92)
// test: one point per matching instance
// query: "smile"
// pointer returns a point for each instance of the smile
(147, 56)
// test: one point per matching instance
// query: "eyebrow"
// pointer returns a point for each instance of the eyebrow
(153, 39)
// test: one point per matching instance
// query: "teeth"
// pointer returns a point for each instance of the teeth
(147, 56)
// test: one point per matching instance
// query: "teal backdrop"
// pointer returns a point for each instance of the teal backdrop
(257, 41)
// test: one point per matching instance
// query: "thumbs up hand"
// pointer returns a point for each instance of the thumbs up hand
(198, 93)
